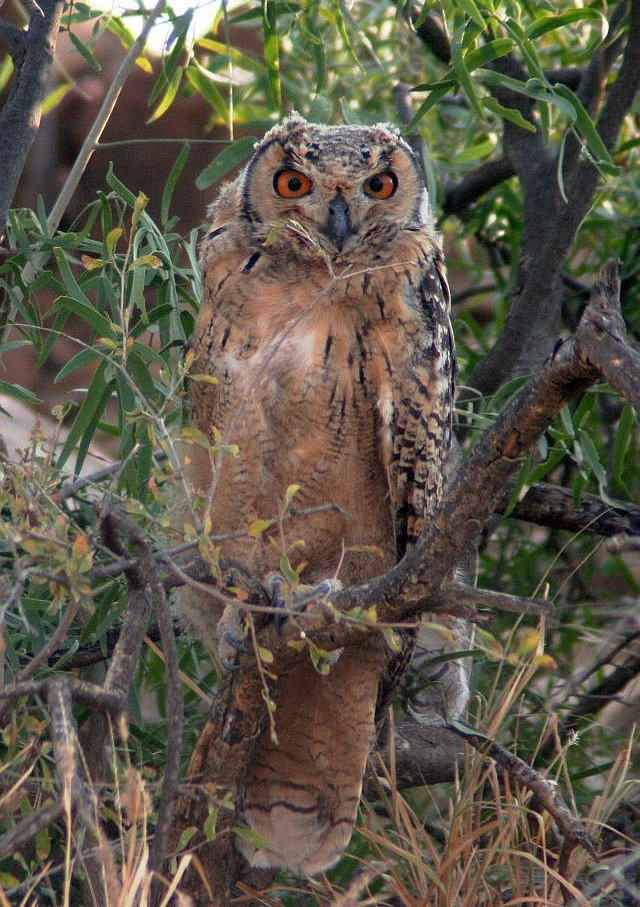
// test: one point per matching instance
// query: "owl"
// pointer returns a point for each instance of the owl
(324, 361)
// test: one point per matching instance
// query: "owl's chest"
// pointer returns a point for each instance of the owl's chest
(347, 334)
(335, 363)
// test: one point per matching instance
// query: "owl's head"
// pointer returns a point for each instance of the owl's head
(332, 187)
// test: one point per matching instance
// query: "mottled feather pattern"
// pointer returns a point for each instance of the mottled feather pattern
(325, 321)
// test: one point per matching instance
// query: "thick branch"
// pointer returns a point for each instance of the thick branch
(20, 115)
(475, 184)
(623, 91)
(13, 41)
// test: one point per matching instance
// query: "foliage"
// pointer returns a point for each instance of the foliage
(134, 287)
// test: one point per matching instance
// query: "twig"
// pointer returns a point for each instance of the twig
(591, 702)
(12, 40)
(101, 120)
(32, 54)
(227, 740)
(26, 829)
(500, 601)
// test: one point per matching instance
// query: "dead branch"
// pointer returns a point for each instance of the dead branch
(553, 506)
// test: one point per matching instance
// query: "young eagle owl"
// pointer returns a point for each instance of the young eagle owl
(325, 322)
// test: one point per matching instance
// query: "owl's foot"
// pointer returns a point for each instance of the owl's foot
(299, 598)
(230, 630)
(231, 638)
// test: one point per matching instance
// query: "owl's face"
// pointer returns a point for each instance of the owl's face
(333, 188)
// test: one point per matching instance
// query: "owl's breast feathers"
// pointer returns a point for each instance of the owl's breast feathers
(338, 379)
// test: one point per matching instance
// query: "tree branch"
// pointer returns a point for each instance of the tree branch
(475, 184)
(20, 115)
(550, 505)
(550, 221)
(13, 41)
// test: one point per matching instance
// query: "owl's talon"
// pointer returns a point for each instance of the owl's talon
(235, 643)
(300, 596)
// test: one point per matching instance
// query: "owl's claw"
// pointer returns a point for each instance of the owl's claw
(301, 596)
(234, 642)
(274, 584)
(230, 644)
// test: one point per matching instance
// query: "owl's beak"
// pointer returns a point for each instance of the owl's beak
(338, 225)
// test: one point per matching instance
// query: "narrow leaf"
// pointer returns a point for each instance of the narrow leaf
(84, 52)
(547, 23)
(508, 113)
(103, 326)
(167, 99)
(19, 393)
(233, 155)
(472, 10)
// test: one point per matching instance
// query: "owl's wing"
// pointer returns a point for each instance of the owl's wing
(421, 441)
(423, 407)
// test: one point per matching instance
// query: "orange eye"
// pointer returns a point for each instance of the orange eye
(291, 184)
(381, 185)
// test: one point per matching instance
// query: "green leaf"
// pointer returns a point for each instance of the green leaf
(265, 655)
(290, 494)
(287, 570)
(172, 63)
(204, 83)
(250, 836)
(507, 113)
(14, 345)
(622, 442)
(72, 286)
(168, 97)
(244, 61)
(101, 325)
(119, 187)
(547, 23)
(141, 375)
(470, 8)
(233, 155)
(533, 88)
(587, 129)
(256, 528)
(271, 50)
(80, 360)
(84, 51)
(438, 91)
(499, 47)
(474, 152)
(54, 97)
(19, 393)
(526, 48)
(460, 68)
(87, 419)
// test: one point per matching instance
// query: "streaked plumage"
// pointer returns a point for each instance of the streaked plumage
(325, 322)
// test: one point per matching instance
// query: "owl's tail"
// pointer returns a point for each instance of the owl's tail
(302, 794)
